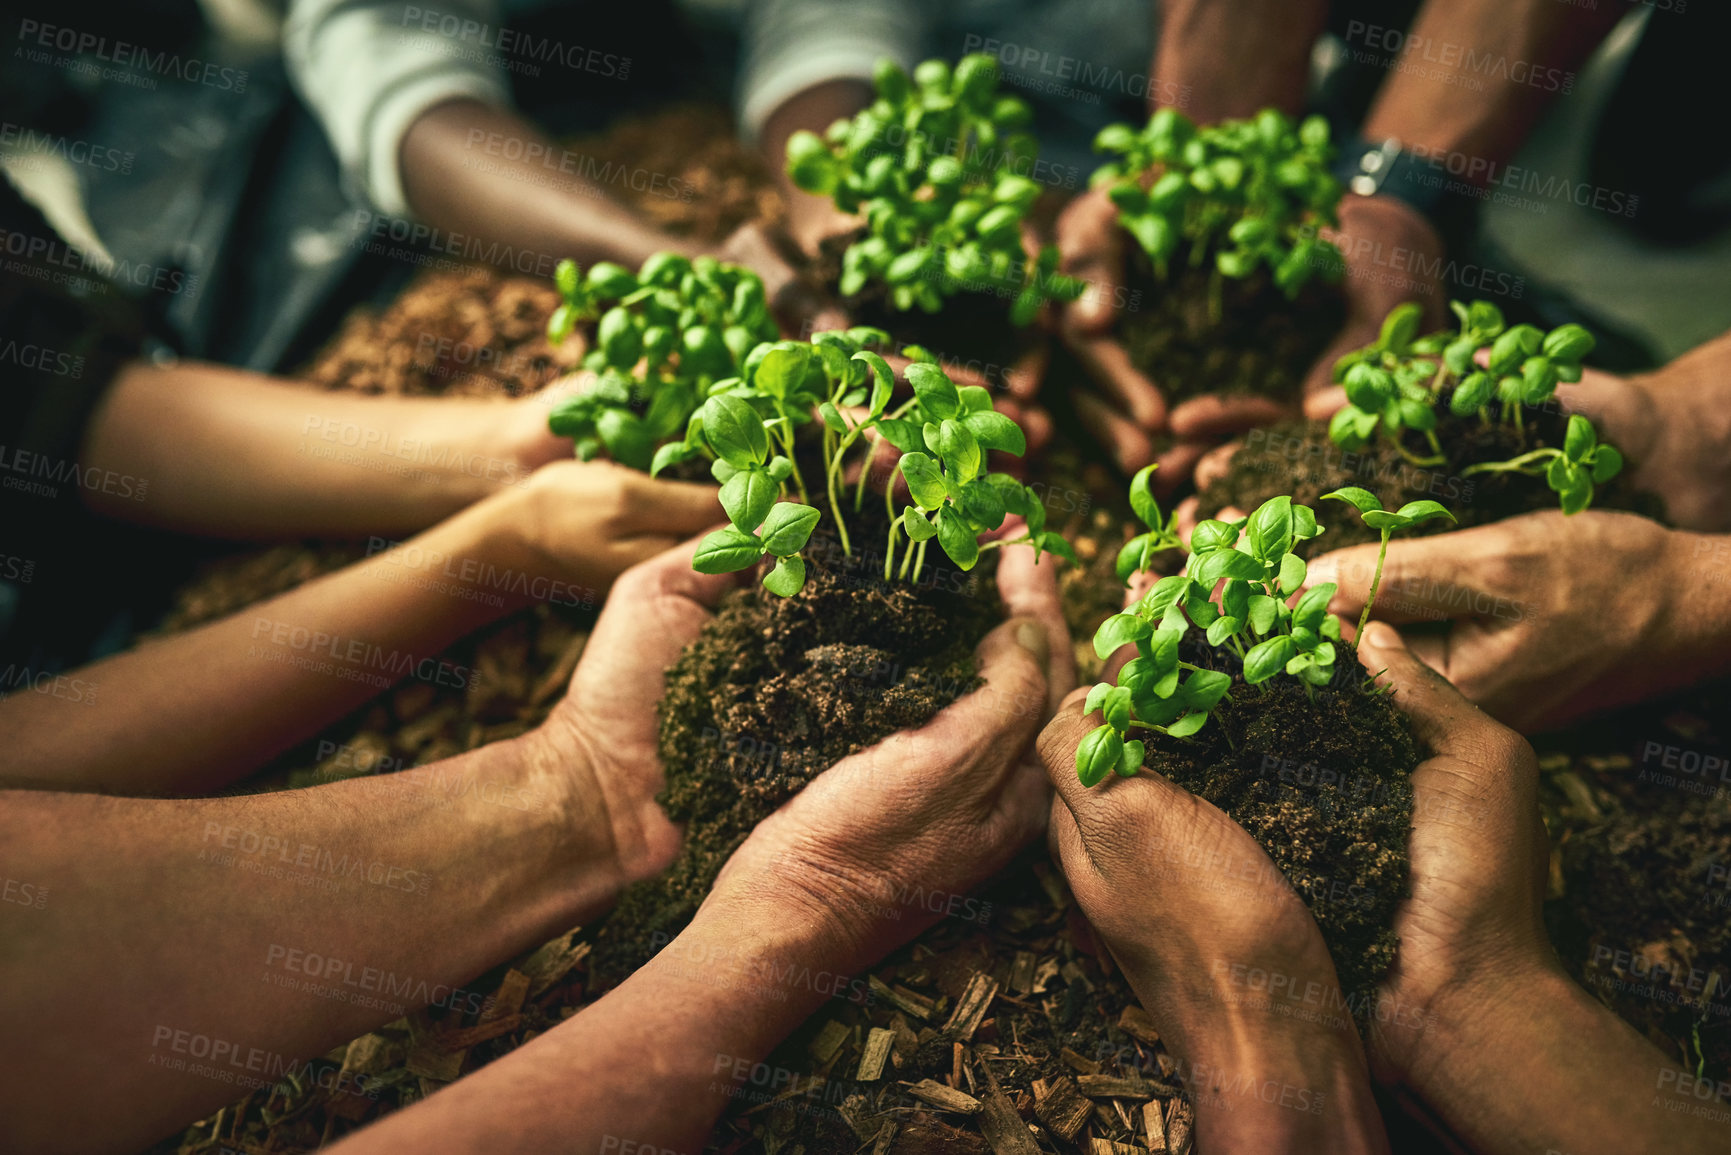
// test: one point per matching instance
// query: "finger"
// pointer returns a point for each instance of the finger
(1324, 402)
(1185, 518)
(1023, 378)
(999, 720)
(1216, 415)
(1441, 717)
(1091, 249)
(1129, 446)
(1321, 395)
(1057, 747)
(668, 575)
(678, 508)
(1425, 579)
(1177, 462)
(1216, 463)
(1030, 590)
(1108, 363)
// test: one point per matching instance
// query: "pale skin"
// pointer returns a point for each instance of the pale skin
(943, 806)
(1392, 253)
(562, 536)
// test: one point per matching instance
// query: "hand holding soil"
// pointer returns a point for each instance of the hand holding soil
(1220, 950)
(937, 809)
(1546, 620)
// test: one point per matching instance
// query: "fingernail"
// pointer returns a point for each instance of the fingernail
(1031, 636)
(1382, 636)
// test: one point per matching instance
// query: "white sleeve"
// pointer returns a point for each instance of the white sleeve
(369, 68)
(792, 45)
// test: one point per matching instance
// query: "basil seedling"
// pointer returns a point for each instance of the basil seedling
(933, 166)
(662, 337)
(1241, 194)
(1370, 509)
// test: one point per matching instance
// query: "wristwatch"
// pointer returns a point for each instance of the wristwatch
(1390, 169)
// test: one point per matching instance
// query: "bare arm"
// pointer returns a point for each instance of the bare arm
(1236, 59)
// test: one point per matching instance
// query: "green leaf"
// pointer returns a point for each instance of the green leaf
(1313, 606)
(1607, 463)
(1142, 497)
(982, 504)
(883, 380)
(627, 441)
(1361, 499)
(937, 395)
(1568, 343)
(1268, 658)
(566, 275)
(734, 431)
(1400, 327)
(916, 525)
(572, 417)
(925, 480)
(1225, 563)
(1131, 760)
(1368, 387)
(1421, 511)
(1097, 696)
(1580, 439)
(747, 498)
(619, 337)
(904, 435)
(832, 417)
(1471, 394)
(787, 578)
(1119, 630)
(1270, 527)
(1292, 571)
(1263, 611)
(995, 431)
(958, 538)
(1204, 689)
(1133, 558)
(727, 551)
(1577, 490)
(1115, 708)
(1054, 543)
(1212, 535)
(1380, 520)
(780, 468)
(1223, 628)
(782, 369)
(1098, 754)
(673, 453)
(958, 448)
(1188, 724)
(787, 527)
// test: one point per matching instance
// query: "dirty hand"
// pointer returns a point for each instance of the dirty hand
(1550, 617)
(1219, 949)
(934, 810)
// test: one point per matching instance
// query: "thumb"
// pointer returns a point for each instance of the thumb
(1322, 397)
(1425, 579)
(1441, 717)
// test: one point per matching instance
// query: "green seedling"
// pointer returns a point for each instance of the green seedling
(1386, 523)
(1162, 532)
(1252, 563)
(1241, 194)
(1394, 386)
(1572, 471)
(933, 166)
(663, 336)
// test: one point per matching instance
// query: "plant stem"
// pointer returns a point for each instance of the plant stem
(1513, 464)
(921, 562)
(1375, 581)
(1421, 462)
(890, 550)
(1216, 294)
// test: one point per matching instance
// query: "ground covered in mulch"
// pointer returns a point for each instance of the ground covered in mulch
(1003, 1028)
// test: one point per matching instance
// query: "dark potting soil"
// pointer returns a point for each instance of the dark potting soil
(776, 690)
(1259, 343)
(1322, 781)
(1297, 458)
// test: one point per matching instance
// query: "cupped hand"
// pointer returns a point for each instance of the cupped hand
(932, 811)
(1393, 255)
(1549, 617)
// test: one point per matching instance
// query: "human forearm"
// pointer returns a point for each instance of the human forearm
(651, 1062)
(810, 218)
(1480, 73)
(472, 168)
(192, 712)
(234, 454)
(262, 930)
(1234, 59)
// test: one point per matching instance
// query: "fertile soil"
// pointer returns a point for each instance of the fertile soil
(1322, 782)
(1297, 458)
(777, 690)
(1259, 343)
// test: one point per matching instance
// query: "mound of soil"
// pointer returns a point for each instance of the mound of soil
(775, 691)
(1259, 343)
(1322, 782)
(1297, 458)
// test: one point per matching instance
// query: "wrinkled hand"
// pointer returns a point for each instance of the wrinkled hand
(1673, 426)
(1549, 617)
(935, 810)
(586, 522)
(1390, 251)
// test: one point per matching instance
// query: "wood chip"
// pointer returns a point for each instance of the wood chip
(875, 1054)
(1108, 1147)
(1079, 1063)
(1044, 974)
(944, 1098)
(431, 1061)
(1000, 1122)
(509, 999)
(886, 1136)
(907, 1042)
(1022, 973)
(1111, 1087)
(972, 1006)
(1136, 1023)
(1154, 1125)
(1062, 1108)
(368, 1055)
(552, 961)
(464, 1038)
(901, 998)
(829, 1040)
(558, 676)
(1180, 1122)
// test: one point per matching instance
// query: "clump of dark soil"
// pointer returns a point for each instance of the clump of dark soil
(1321, 780)
(1297, 458)
(775, 691)
(1260, 342)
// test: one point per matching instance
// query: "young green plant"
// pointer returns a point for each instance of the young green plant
(1386, 523)
(933, 166)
